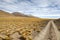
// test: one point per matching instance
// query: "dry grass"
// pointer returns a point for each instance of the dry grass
(57, 22)
(23, 25)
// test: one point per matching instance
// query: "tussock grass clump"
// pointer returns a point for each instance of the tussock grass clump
(26, 27)
(57, 22)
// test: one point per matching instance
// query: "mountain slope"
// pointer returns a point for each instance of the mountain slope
(5, 14)
(18, 14)
(14, 14)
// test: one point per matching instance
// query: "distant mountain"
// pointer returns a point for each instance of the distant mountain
(4, 14)
(18, 14)
(14, 14)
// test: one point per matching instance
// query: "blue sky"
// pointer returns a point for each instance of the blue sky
(39, 8)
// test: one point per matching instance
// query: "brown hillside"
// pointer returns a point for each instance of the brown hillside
(4, 14)
(15, 14)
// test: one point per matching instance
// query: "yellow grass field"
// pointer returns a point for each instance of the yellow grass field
(23, 25)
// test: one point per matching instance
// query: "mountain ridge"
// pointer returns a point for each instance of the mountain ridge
(14, 14)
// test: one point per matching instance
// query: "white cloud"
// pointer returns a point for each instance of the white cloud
(41, 3)
(7, 0)
(38, 8)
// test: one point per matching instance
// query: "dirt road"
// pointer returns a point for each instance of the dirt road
(49, 33)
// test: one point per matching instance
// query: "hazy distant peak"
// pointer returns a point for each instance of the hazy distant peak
(19, 14)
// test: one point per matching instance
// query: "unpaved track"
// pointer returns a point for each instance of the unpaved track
(56, 30)
(49, 33)
(43, 34)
